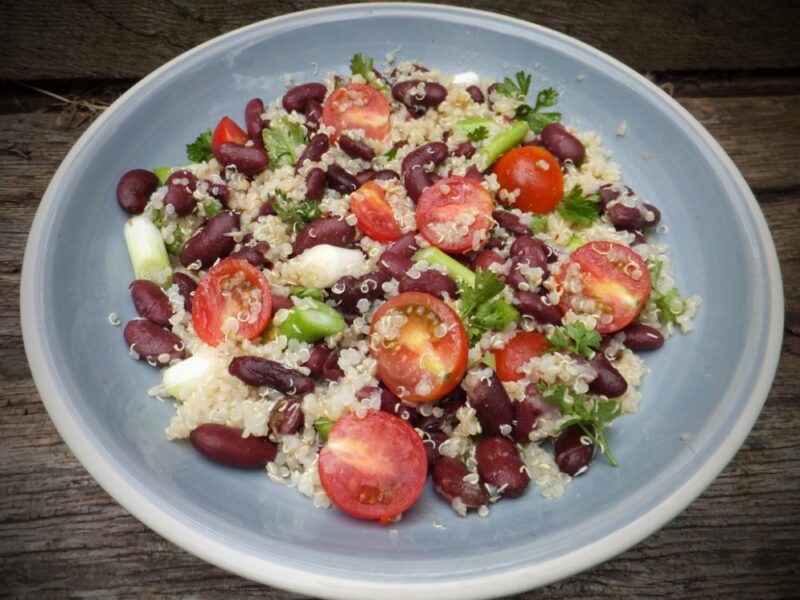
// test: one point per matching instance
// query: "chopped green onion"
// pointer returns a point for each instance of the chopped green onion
(575, 242)
(490, 360)
(304, 292)
(183, 378)
(311, 323)
(467, 126)
(162, 173)
(502, 143)
(323, 427)
(458, 272)
(147, 251)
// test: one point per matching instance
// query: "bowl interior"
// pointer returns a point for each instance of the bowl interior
(698, 390)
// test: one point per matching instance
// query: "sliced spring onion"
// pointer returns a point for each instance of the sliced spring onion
(183, 378)
(311, 321)
(501, 143)
(458, 272)
(162, 173)
(147, 251)
(467, 126)
(323, 427)
(323, 265)
(575, 242)
(490, 360)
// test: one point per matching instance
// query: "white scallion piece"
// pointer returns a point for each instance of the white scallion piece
(323, 265)
(466, 78)
(183, 378)
(147, 251)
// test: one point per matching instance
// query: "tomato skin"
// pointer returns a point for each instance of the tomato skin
(541, 189)
(524, 346)
(357, 106)
(615, 277)
(210, 308)
(448, 200)
(375, 216)
(373, 468)
(417, 358)
(228, 131)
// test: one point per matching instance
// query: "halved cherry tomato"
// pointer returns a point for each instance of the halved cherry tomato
(536, 173)
(524, 346)
(357, 106)
(228, 131)
(375, 217)
(612, 275)
(455, 214)
(374, 467)
(420, 345)
(233, 292)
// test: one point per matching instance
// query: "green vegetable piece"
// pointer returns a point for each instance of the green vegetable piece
(502, 143)
(466, 126)
(364, 65)
(458, 272)
(312, 323)
(162, 173)
(575, 242)
(575, 338)
(200, 149)
(516, 89)
(391, 153)
(281, 140)
(580, 209)
(539, 224)
(298, 214)
(147, 251)
(323, 427)
(490, 360)
(478, 134)
(175, 246)
(494, 316)
(303, 292)
(211, 208)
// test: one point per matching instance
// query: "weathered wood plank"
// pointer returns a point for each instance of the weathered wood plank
(120, 38)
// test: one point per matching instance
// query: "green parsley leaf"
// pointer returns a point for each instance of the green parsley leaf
(518, 89)
(297, 214)
(533, 116)
(281, 140)
(670, 304)
(200, 149)
(211, 208)
(478, 134)
(323, 427)
(486, 287)
(157, 218)
(364, 65)
(177, 242)
(391, 153)
(575, 338)
(304, 292)
(580, 209)
(546, 98)
(478, 312)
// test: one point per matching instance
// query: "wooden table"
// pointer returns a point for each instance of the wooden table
(735, 65)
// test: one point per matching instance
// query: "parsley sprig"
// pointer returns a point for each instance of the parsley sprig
(580, 209)
(200, 149)
(666, 302)
(281, 139)
(478, 312)
(575, 338)
(516, 89)
(298, 214)
(478, 134)
(364, 65)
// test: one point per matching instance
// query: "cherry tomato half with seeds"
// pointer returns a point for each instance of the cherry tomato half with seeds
(518, 350)
(234, 297)
(455, 214)
(420, 345)
(357, 106)
(536, 174)
(373, 467)
(228, 131)
(375, 217)
(610, 274)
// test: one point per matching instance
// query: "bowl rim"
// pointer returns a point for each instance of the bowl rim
(212, 550)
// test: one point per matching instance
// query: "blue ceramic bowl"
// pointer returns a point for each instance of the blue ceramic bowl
(700, 401)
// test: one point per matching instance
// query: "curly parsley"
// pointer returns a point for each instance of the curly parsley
(281, 140)
(297, 214)
(364, 66)
(200, 149)
(478, 312)
(575, 338)
(516, 89)
(580, 209)
(478, 134)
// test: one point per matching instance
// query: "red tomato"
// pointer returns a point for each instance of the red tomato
(228, 131)
(373, 468)
(612, 275)
(232, 289)
(536, 173)
(524, 346)
(423, 356)
(375, 217)
(357, 106)
(455, 214)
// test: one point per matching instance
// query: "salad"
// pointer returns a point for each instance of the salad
(380, 277)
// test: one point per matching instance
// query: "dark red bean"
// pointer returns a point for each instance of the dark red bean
(254, 121)
(152, 342)
(180, 192)
(263, 372)
(638, 238)
(316, 361)
(297, 97)
(432, 441)
(431, 282)
(532, 304)
(213, 241)
(331, 369)
(279, 302)
(151, 302)
(356, 148)
(416, 66)
(364, 176)
(416, 181)
(476, 94)
(500, 465)
(317, 146)
(405, 245)
(490, 400)
(511, 223)
(485, 259)
(186, 286)
(286, 417)
(432, 153)
(347, 292)
(266, 209)
(463, 149)
(624, 217)
(225, 445)
(386, 175)
(341, 180)
(607, 194)
(493, 244)
(516, 278)
(327, 230)
(642, 337)
(573, 450)
(395, 264)
(656, 217)
(609, 381)
(313, 113)
(492, 89)
(134, 189)
(448, 480)
(248, 160)
(562, 143)
(315, 184)
(418, 95)
(219, 191)
(473, 173)
(532, 249)
(254, 253)
(525, 419)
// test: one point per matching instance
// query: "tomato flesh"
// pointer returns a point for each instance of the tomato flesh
(521, 348)
(455, 214)
(228, 131)
(373, 467)
(374, 213)
(536, 174)
(420, 345)
(357, 106)
(612, 275)
(234, 296)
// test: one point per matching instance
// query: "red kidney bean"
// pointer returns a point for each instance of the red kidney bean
(219, 191)
(395, 264)
(313, 113)
(180, 187)
(573, 450)
(638, 238)
(485, 259)
(609, 193)
(286, 417)
(279, 302)
(418, 95)
(473, 173)
(533, 249)
(186, 286)
(416, 66)
(448, 481)
(356, 148)
(420, 158)
(656, 216)
(255, 123)
(297, 97)
(525, 419)
(432, 441)
(515, 278)
(263, 372)
(430, 282)
(341, 180)
(266, 209)
(532, 304)
(624, 217)
(225, 445)
(348, 290)
(416, 181)
(331, 369)
(152, 342)
(463, 149)
(562, 143)
(386, 175)
(255, 254)
(493, 244)
(317, 146)
(316, 360)
(213, 241)
(364, 176)
(609, 381)
(500, 465)
(248, 160)
(476, 94)
(151, 302)
(405, 245)
(315, 184)
(511, 223)
(491, 402)
(134, 189)
(326, 230)
(492, 89)
(642, 337)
